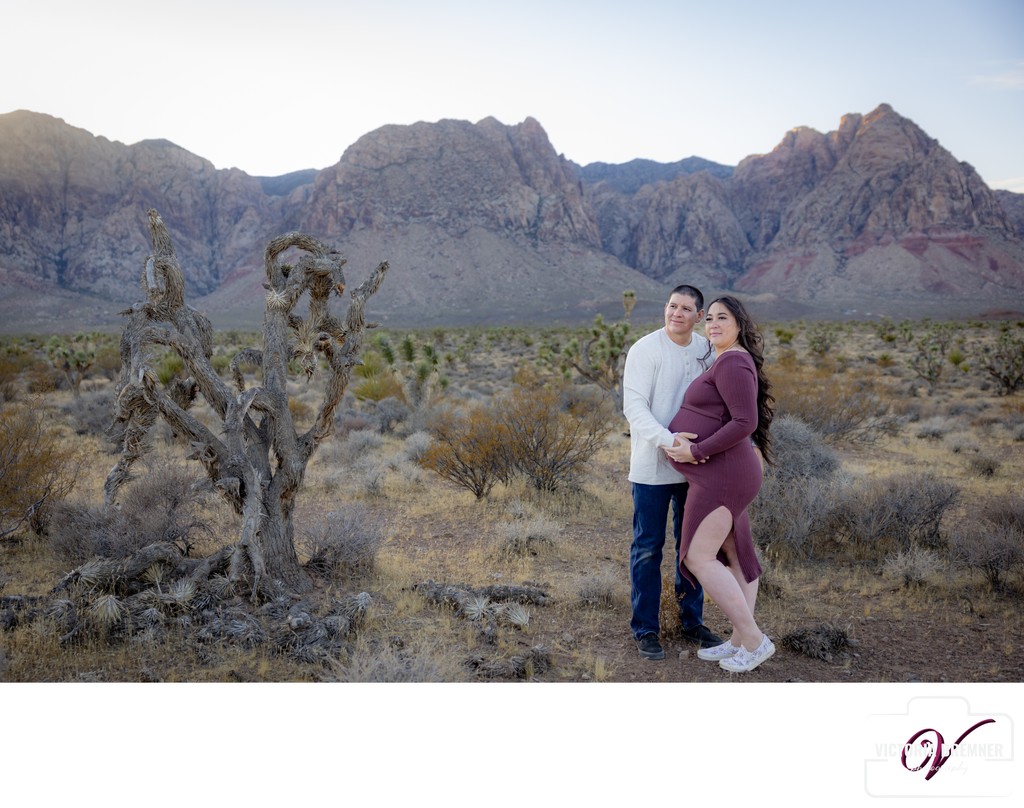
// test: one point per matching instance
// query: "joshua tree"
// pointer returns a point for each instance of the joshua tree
(72, 357)
(257, 460)
(600, 358)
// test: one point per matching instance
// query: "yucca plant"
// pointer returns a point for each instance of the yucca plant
(478, 607)
(180, 593)
(107, 610)
(516, 614)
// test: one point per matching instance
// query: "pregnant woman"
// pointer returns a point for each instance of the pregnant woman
(729, 408)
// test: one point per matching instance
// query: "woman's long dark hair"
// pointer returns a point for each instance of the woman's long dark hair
(750, 338)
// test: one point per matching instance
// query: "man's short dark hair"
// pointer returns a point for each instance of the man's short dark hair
(689, 291)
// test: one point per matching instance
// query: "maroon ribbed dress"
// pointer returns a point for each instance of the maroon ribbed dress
(720, 406)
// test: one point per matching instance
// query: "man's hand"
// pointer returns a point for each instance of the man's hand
(680, 449)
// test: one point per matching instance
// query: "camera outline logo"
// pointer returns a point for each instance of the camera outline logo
(939, 747)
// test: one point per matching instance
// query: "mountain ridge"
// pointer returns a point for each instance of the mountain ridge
(486, 224)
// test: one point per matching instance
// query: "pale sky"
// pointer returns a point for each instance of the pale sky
(272, 86)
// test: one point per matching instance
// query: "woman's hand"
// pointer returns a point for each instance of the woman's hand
(680, 449)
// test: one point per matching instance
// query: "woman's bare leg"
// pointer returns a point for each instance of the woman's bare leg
(749, 587)
(719, 581)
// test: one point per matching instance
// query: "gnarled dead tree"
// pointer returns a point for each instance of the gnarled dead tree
(257, 462)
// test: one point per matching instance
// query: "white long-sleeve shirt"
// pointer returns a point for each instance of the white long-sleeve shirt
(654, 379)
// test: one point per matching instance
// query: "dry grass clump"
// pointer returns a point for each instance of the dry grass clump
(936, 427)
(526, 537)
(343, 543)
(990, 539)
(601, 590)
(393, 660)
(983, 465)
(38, 468)
(164, 506)
(527, 664)
(89, 413)
(915, 566)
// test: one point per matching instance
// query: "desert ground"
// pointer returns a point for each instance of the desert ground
(890, 528)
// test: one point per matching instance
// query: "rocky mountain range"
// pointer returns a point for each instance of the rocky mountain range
(486, 224)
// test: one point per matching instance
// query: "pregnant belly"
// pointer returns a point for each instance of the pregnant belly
(692, 421)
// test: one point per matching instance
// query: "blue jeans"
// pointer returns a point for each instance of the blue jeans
(650, 518)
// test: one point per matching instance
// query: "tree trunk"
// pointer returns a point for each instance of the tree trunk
(257, 460)
(272, 549)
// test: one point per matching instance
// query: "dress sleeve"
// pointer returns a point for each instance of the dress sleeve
(736, 382)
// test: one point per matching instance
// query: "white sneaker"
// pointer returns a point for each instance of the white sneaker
(718, 652)
(744, 660)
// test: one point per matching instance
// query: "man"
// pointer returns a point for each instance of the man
(659, 367)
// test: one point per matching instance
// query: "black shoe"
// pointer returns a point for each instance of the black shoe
(702, 635)
(649, 647)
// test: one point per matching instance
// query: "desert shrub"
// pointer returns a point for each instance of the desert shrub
(840, 408)
(13, 362)
(90, 414)
(983, 465)
(37, 468)
(936, 427)
(350, 421)
(368, 475)
(415, 446)
(526, 537)
(361, 442)
(784, 335)
(914, 566)
(793, 499)
(107, 362)
(163, 506)
(390, 412)
(601, 591)
(1006, 510)
(301, 411)
(41, 379)
(991, 538)
(396, 661)
(343, 542)
(992, 550)
(78, 532)
(551, 432)
(886, 330)
(958, 359)
(468, 449)
(877, 517)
